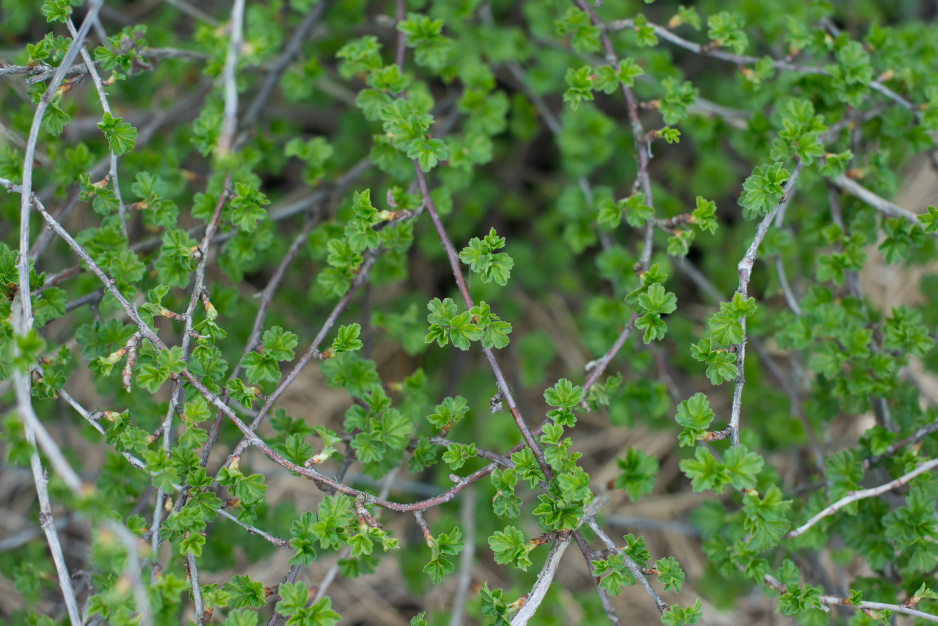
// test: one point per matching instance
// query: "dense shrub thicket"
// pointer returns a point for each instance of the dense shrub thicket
(496, 230)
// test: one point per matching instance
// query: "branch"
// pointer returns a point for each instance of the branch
(177, 390)
(862, 495)
(500, 382)
(267, 296)
(642, 149)
(879, 606)
(89, 63)
(467, 514)
(192, 573)
(46, 520)
(745, 273)
(880, 204)
(632, 565)
(918, 435)
(740, 59)
(230, 119)
(598, 366)
(544, 578)
(278, 67)
(864, 606)
(603, 596)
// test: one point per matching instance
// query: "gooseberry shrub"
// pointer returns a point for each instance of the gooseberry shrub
(499, 232)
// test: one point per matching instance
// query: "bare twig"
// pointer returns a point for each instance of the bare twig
(192, 571)
(828, 601)
(880, 204)
(177, 390)
(46, 520)
(861, 495)
(598, 366)
(878, 606)
(267, 296)
(89, 63)
(740, 59)
(745, 273)
(603, 596)
(892, 448)
(230, 117)
(500, 382)
(632, 565)
(544, 579)
(467, 516)
(276, 69)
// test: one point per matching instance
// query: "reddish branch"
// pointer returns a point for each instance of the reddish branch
(500, 381)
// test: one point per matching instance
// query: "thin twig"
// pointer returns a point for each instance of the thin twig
(467, 516)
(861, 495)
(267, 296)
(603, 596)
(46, 520)
(277, 68)
(102, 96)
(880, 204)
(598, 366)
(544, 579)
(892, 448)
(632, 565)
(744, 268)
(193, 574)
(827, 601)
(740, 59)
(878, 606)
(230, 117)
(500, 382)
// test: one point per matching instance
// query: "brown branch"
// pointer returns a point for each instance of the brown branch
(267, 296)
(500, 382)
(603, 596)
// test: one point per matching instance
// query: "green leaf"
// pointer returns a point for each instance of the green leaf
(54, 120)
(766, 518)
(564, 394)
(657, 301)
(244, 592)
(676, 101)
(576, 24)
(121, 137)
(509, 546)
(670, 574)
(432, 49)
(929, 220)
(480, 255)
(56, 10)
(246, 206)
(725, 29)
(742, 466)
(293, 597)
(677, 615)
(457, 454)
(763, 190)
(695, 416)
(639, 471)
(705, 472)
(705, 215)
(644, 33)
(279, 343)
(347, 339)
